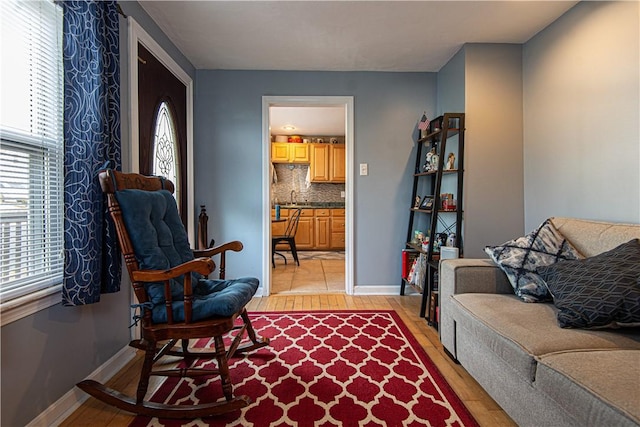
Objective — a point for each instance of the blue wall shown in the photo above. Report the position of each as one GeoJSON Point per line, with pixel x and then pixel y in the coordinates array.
{"type": "Point", "coordinates": [582, 115]}
{"type": "Point", "coordinates": [228, 157]}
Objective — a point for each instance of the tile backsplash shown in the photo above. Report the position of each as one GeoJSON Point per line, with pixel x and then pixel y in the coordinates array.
{"type": "Point", "coordinates": [292, 177]}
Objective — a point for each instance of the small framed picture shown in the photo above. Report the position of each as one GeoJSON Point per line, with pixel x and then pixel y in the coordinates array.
{"type": "Point", "coordinates": [416, 203]}
{"type": "Point", "coordinates": [427, 203]}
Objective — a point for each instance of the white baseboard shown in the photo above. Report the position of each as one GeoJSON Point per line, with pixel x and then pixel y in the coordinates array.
{"type": "Point", "coordinates": [369, 290]}
{"type": "Point", "coordinates": [70, 401]}
{"type": "Point", "coordinates": [377, 290]}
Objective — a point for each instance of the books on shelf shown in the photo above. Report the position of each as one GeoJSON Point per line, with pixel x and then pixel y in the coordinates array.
{"type": "Point", "coordinates": [417, 269]}
{"type": "Point", "coordinates": [408, 258]}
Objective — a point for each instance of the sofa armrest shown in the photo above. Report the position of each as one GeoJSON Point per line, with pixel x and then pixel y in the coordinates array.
{"type": "Point", "coordinates": [461, 276]}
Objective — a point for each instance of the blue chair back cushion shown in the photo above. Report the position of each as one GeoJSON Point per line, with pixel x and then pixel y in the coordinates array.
{"type": "Point", "coordinates": [160, 242]}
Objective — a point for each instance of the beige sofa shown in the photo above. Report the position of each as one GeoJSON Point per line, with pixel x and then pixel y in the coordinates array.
{"type": "Point", "coordinates": [539, 373]}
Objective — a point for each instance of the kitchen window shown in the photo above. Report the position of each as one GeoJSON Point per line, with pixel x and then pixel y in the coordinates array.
{"type": "Point", "coordinates": [31, 152]}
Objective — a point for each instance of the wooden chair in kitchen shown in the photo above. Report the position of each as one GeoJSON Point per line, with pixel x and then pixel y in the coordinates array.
{"type": "Point", "coordinates": [177, 300]}
{"type": "Point", "coordinates": [289, 238]}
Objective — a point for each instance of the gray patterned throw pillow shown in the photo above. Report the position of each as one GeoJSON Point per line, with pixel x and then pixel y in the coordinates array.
{"type": "Point", "coordinates": [521, 258]}
{"type": "Point", "coordinates": [601, 291]}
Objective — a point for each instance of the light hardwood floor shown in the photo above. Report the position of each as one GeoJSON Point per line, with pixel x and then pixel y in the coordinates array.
{"type": "Point", "coordinates": [481, 406]}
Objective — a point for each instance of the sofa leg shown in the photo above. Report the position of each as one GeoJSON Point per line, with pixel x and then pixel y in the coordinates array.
{"type": "Point", "coordinates": [450, 356]}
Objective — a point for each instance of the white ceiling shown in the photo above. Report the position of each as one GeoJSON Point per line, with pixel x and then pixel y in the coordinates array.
{"type": "Point", "coordinates": [312, 121]}
{"type": "Point", "coordinates": [341, 36]}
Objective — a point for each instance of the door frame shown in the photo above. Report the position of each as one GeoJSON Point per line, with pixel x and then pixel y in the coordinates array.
{"type": "Point", "coordinates": [137, 34]}
{"type": "Point", "coordinates": [306, 101]}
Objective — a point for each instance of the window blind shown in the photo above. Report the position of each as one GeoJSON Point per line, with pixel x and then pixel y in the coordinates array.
{"type": "Point", "coordinates": [31, 148]}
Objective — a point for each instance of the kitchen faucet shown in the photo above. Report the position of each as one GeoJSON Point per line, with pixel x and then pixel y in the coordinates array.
{"type": "Point", "coordinates": [293, 195]}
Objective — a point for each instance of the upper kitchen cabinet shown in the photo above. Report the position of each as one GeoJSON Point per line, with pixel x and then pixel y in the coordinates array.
{"type": "Point", "coordinates": [328, 163]}
{"type": "Point", "coordinates": [337, 164]}
{"type": "Point", "coordinates": [289, 152]}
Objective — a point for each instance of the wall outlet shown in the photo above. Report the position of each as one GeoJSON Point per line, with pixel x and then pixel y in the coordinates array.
{"type": "Point", "coordinates": [343, 194]}
{"type": "Point", "coordinates": [364, 169]}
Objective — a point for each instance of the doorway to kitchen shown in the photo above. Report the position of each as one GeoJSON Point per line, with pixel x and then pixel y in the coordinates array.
{"type": "Point", "coordinates": [307, 150]}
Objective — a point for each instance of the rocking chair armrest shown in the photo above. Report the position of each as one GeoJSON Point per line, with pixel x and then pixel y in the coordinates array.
{"type": "Point", "coordinates": [235, 246]}
{"type": "Point", "coordinates": [203, 266]}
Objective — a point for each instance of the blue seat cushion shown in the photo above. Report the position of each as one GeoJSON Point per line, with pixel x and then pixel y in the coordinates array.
{"type": "Point", "coordinates": [212, 298]}
{"type": "Point", "coordinates": [160, 242]}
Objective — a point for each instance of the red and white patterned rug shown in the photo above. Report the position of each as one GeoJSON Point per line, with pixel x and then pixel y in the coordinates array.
{"type": "Point", "coordinates": [326, 368]}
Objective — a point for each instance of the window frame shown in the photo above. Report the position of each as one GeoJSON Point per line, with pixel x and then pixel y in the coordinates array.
{"type": "Point", "coordinates": [165, 113]}
{"type": "Point", "coordinates": [39, 293]}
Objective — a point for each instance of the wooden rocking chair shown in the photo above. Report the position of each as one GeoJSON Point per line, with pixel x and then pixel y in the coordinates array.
{"type": "Point", "coordinates": [177, 301]}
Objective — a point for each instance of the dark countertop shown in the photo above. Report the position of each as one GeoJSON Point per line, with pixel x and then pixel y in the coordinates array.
{"type": "Point", "coordinates": [311, 205]}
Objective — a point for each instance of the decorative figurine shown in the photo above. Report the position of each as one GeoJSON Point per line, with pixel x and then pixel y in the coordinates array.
{"type": "Point", "coordinates": [440, 241]}
{"type": "Point", "coordinates": [451, 161]}
{"type": "Point", "coordinates": [427, 162]}
{"type": "Point", "coordinates": [431, 161]}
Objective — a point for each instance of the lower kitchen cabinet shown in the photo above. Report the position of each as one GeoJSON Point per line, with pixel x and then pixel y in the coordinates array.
{"type": "Point", "coordinates": [279, 228]}
{"type": "Point", "coordinates": [322, 229]}
{"type": "Point", "coordinates": [337, 226]}
{"type": "Point", "coordinates": [304, 236]}
{"type": "Point", "coordinates": [318, 229]}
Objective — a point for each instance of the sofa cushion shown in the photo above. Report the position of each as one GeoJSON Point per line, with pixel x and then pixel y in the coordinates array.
{"type": "Point", "coordinates": [600, 387]}
{"type": "Point", "coordinates": [519, 332]}
{"type": "Point", "coordinates": [521, 258]}
{"type": "Point", "coordinates": [603, 290]}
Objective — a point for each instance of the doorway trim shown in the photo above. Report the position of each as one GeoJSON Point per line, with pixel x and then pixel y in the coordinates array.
{"type": "Point", "coordinates": [306, 101]}
{"type": "Point", "coordinates": [137, 34]}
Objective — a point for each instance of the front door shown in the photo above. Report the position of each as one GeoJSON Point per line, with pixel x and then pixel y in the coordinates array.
{"type": "Point", "coordinates": [162, 109]}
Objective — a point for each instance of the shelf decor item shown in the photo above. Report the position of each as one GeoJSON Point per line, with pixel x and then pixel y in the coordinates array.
{"type": "Point", "coordinates": [427, 203]}
{"type": "Point", "coordinates": [424, 125]}
{"type": "Point", "coordinates": [451, 160]}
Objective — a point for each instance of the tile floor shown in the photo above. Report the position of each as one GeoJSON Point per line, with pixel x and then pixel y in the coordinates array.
{"type": "Point", "coordinates": [319, 272]}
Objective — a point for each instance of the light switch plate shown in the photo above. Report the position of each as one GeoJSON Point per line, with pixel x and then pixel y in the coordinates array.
{"type": "Point", "coordinates": [364, 169]}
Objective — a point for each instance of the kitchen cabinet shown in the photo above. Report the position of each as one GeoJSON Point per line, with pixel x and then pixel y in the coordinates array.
{"type": "Point", "coordinates": [337, 227]}
{"type": "Point", "coordinates": [279, 228]}
{"type": "Point", "coordinates": [318, 229]}
{"type": "Point", "coordinates": [337, 163]}
{"type": "Point", "coordinates": [304, 236]}
{"type": "Point", "coordinates": [319, 162]}
{"type": "Point", "coordinates": [289, 152]}
{"type": "Point", "coordinates": [322, 229]}
{"type": "Point", "coordinates": [327, 163]}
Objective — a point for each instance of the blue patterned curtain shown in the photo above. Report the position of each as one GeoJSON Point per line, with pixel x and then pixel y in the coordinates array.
{"type": "Point", "coordinates": [92, 137]}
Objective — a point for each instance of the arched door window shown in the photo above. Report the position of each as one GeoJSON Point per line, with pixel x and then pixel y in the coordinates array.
{"type": "Point", "coordinates": [165, 148]}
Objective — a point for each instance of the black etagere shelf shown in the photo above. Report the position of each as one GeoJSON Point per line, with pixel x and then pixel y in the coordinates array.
{"type": "Point", "coordinates": [440, 219]}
